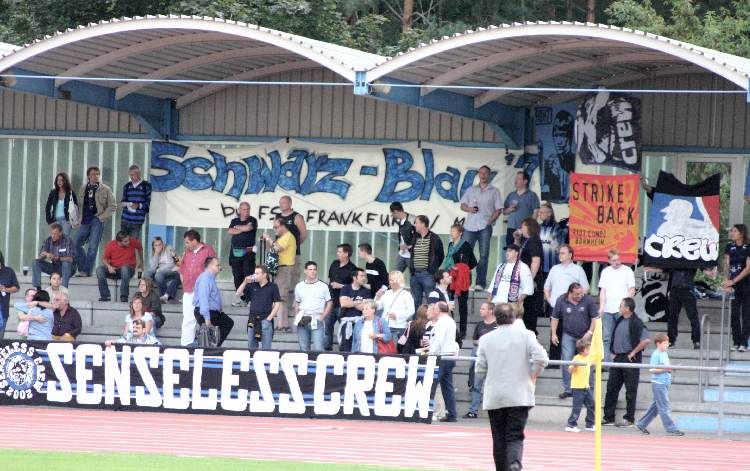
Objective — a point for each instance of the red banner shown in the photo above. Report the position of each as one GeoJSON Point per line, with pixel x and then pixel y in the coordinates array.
{"type": "Point", "coordinates": [604, 215]}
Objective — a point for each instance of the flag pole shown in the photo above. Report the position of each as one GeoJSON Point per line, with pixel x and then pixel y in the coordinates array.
{"type": "Point", "coordinates": [597, 349]}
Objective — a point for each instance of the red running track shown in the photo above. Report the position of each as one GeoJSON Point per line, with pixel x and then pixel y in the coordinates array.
{"type": "Point", "coordinates": [353, 442]}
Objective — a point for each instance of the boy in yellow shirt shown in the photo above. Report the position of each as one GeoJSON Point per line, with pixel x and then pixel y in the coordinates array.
{"type": "Point", "coordinates": [579, 384]}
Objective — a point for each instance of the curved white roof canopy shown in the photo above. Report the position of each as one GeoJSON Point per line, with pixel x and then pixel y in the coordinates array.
{"type": "Point", "coordinates": [560, 55]}
{"type": "Point", "coordinates": [554, 54]}
{"type": "Point", "coordinates": [174, 47]}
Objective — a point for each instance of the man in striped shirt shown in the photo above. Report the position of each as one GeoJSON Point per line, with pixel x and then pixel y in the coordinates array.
{"type": "Point", "coordinates": [136, 200]}
{"type": "Point", "coordinates": [426, 256]}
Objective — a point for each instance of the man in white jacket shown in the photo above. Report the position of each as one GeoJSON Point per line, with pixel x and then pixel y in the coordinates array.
{"type": "Point", "coordinates": [443, 343]}
{"type": "Point", "coordinates": [503, 361]}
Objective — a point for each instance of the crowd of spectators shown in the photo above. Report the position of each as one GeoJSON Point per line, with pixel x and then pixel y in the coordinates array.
{"type": "Point", "coordinates": [373, 308]}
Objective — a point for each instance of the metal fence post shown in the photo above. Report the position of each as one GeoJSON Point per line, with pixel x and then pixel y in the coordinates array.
{"type": "Point", "coordinates": [721, 400]}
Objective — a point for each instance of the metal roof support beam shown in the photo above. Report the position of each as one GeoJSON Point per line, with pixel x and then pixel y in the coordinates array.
{"type": "Point", "coordinates": [361, 87]}
{"type": "Point", "coordinates": [158, 116]}
{"type": "Point", "coordinates": [494, 60]}
{"type": "Point", "coordinates": [200, 61]}
{"type": "Point", "coordinates": [537, 76]}
{"type": "Point", "coordinates": [140, 48]}
{"type": "Point", "coordinates": [248, 75]}
{"type": "Point", "coordinates": [507, 121]}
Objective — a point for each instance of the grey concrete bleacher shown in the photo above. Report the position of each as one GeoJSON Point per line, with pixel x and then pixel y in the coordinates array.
{"type": "Point", "coordinates": [103, 321]}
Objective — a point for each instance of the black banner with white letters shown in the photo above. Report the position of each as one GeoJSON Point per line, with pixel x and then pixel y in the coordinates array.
{"type": "Point", "coordinates": [608, 130]}
{"type": "Point", "coordinates": [239, 382]}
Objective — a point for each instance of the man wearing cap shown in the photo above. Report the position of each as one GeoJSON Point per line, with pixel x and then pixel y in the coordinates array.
{"type": "Point", "coordinates": [512, 280]}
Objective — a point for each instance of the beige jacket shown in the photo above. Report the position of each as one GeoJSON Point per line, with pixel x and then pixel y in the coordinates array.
{"type": "Point", "coordinates": [506, 358]}
{"type": "Point", "coordinates": [106, 204]}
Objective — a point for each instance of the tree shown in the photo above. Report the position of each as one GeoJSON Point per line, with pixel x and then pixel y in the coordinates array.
{"type": "Point", "coordinates": [726, 28]}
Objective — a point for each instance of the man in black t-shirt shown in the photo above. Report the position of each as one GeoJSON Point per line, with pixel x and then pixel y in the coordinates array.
{"type": "Point", "coordinates": [486, 325]}
{"type": "Point", "coordinates": [242, 249]}
{"type": "Point", "coordinates": [377, 273]}
{"type": "Point", "coordinates": [8, 285]}
{"type": "Point", "coordinates": [352, 296]}
{"type": "Point", "coordinates": [265, 304]}
{"type": "Point", "coordinates": [339, 274]}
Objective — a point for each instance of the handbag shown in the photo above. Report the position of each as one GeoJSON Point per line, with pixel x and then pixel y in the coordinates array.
{"type": "Point", "coordinates": [272, 262]}
{"type": "Point", "coordinates": [385, 348]}
{"type": "Point", "coordinates": [207, 337]}
{"type": "Point", "coordinates": [72, 210]}
{"type": "Point", "coordinates": [23, 328]}
{"type": "Point", "coordinates": [405, 336]}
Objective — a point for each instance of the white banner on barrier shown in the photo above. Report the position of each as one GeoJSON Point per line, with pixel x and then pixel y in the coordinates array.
{"type": "Point", "coordinates": [334, 186]}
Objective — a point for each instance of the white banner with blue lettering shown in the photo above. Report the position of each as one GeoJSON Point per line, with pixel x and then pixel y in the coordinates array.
{"type": "Point", "coordinates": [333, 186]}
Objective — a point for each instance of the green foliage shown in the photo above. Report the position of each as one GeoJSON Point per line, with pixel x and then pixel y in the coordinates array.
{"type": "Point", "coordinates": [725, 28]}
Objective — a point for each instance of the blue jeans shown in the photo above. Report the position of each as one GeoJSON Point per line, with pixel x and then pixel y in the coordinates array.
{"type": "Point", "coordinates": [330, 324]}
{"type": "Point", "coordinates": [422, 282]}
{"type": "Point", "coordinates": [91, 233]}
{"type": "Point", "coordinates": [306, 335]}
{"type": "Point", "coordinates": [582, 397]}
{"type": "Point", "coordinates": [608, 326]}
{"type": "Point", "coordinates": [266, 336]}
{"type": "Point", "coordinates": [125, 273]}
{"type": "Point", "coordinates": [133, 230]}
{"type": "Point", "coordinates": [167, 281]}
{"type": "Point", "coordinates": [659, 406]}
{"type": "Point", "coordinates": [477, 385]}
{"type": "Point", "coordinates": [445, 378]}
{"type": "Point", "coordinates": [568, 346]}
{"type": "Point", "coordinates": [402, 264]}
{"type": "Point", "coordinates": [65, 225]}
{"type": "Point", "coordinates": [40, 266]}
{"type": "Point", "coordinates": [484, 237]}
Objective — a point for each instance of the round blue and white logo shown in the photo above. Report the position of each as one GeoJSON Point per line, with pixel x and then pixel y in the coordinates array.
{"type": "Point", "coordinates": [21, 371]}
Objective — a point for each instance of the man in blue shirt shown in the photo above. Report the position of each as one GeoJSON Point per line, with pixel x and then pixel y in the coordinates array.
{"type": "Point", "coordinates": [207, 300]}
{"type": "Point", "coordinates": [519, 205]}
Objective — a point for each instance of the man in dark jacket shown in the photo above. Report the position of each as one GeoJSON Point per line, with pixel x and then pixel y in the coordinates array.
{"type": "Point", "coordinates": [405, 235]}
{"type": "Point", "coordinates": [426, 257]}
{"type": "Point", "coordinates": [629, 338]}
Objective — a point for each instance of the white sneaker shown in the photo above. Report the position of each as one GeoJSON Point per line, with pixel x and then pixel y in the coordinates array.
{"type": "Point", "coordinates": [742, 348]}
{"type": "Point", "coordinates": [734, 348]}
{"type": "Point", "coordinates": [572, 429]}
{"type": "Point", "coordinates": [479, 288]}
{"type": "Point", "coordinates": [591, 429]}
{"type": "Point", "coordinates": [164, 298]}
{"type": "Point", "coordinates": [239, 303]}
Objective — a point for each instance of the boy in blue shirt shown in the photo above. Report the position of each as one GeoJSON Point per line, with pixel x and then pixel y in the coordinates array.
{"type": "Point", "coordinates": [661, 378]}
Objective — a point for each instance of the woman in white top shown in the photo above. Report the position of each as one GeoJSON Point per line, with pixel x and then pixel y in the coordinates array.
{"type": "Point", "coordinates": [55, 285]}
{"type": "Point", "coordinates": [163, 269]}
{"type": "Point", "coordinates": [368, 329]}
{"type": "Point", "coordinates": [137, 312]}
{"type": "Point", "coordinates": [396, 304]}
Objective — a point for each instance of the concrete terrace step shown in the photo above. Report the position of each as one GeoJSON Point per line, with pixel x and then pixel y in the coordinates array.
{"type": "Point", "coordinates": [734, 395]}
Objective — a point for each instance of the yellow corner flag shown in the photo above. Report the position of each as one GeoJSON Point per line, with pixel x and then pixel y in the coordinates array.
{"type": "Point", "coordinates": [597, 355]}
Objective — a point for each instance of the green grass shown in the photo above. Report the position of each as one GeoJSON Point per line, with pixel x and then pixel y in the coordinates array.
{"type": "Point", "coordinates": [21, 460]}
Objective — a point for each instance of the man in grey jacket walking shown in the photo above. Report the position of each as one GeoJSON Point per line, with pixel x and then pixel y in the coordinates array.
{"type": "Point", "coordinates": [503, 360]}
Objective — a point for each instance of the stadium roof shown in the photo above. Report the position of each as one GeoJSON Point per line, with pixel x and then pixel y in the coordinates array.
{"type": "Point", "coordinates": [546, 55]}
{"type": "Point", "coordinates": [553, 55]}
